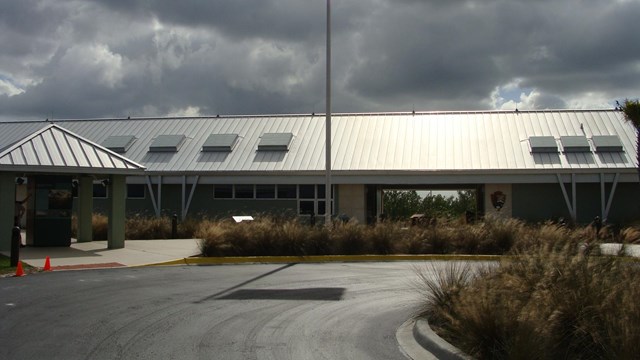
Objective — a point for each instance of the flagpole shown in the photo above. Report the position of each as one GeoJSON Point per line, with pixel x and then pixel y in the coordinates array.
{"type": "Point", "coordinates": [328, 205]}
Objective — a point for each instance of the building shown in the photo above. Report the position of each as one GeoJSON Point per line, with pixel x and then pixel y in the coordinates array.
{"type": "Point", "coordinates": [533, 165]}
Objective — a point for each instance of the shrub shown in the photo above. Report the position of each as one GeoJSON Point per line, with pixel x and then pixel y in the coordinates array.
{"type": "Point", "coordinates": [383, 238]}
{"type": "Point", "coordinates": [143, 228]}
{"type": "Point", "coordinates": [100, 224]}
{"type": "Point", "coordinates": [264, 236]}
{"type": "Point", "coordinates": [349, 239]}
{"type": "Point", "coordinates": [551, 302]}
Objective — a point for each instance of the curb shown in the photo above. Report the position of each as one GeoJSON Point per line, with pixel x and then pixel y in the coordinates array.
{"type": "Point", "coordinates": [418, 342]}
{"type": "Point", "coordinates": [320, 259]}
{"type": "Point", "coordinates": [434, 344]}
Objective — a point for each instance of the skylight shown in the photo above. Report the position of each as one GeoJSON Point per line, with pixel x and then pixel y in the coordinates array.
{"type": "Point", "coordinates": [573, 144]}
{"type": "Point", "coordinates": [119, 143]}
{"type": "Point", "coordinates": [275, 142]}
{"type": "Point", "coordinates": [607, 143]}
{"type": "Point", "coordinates": [220, 143]}
{"type": "Point", "coordinates": [167, 143]}
{"type": "Point", "coordinates": [543, 144]}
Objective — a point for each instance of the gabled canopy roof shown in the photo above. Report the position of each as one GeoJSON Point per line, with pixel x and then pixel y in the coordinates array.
{"type": "Point", "coordinates": [54, 149]}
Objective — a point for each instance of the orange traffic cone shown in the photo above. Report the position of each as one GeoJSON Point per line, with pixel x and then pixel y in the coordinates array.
{"type": "Point", "coordinates": [19, 271]}
{"type": "Point", "coordinates": [47, 264]}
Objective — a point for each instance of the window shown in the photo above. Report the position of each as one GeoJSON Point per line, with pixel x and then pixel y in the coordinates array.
{"type": "Point", "coordinates": [312, 199]}
{"type": "Point", "coordinates": [321, 207]}
{"type": "Point", "coordinates": [607, 143]}
{"type": "Point", "coordinates": [135, 191]}
{"type": "Point", "coordinates": [543, 144]}
{"type": "Point", "coordinates": [220, 143]}
{"type": "Point", "coordinates": [120, 143]}
{"type": "Point", "coordinates": [99, 191]}
{"type": "Point", "coordinates": [287, 192]}
{"type": "Point", "coordinates": [244, 191]}
{"type": "Point", "coordinates": [321, 192]}
{"type": "Point", "coordinates": [307, 207]}
{"type": "Point", "coordinates": [265, 191]}
{"type": "Point", "coordinates": [275, 142]}
{"type": "Point", "coordinates": [167, 143]}
{"type": "Point", "coordinates": [573, 144]}
{"type": "Point", "coordinates": [223, 191]}
{"type": "Point", "coordinates": [307, 191]}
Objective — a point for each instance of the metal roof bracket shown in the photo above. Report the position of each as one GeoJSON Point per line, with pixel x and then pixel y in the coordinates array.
{"type": "Point", "coordinates": [571, 204]}
{"type": "Point", "coordinates": [607, 208]}
{"type": "Point", "coordinates": [156, 205]}
{"type": "Point", "coordinates": [185, 207]}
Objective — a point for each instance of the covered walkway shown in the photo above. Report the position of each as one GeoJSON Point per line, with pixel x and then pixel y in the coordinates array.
{"type": "Point", "coordinates": [51, 156]}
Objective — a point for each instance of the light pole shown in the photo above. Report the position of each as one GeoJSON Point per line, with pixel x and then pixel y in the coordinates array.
{"type": "Point", "coordinates": [327, 188]}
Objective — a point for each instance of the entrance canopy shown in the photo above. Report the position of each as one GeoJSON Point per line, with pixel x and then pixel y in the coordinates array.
{"type": "Point", "coordinates": [53, 149]}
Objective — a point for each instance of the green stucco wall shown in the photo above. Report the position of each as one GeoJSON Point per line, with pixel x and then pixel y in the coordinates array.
{"type": "Point", "coordinates": [540, 202]}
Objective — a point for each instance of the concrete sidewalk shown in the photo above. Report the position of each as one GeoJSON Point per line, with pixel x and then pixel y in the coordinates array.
{"type": "Point", "coordinates": [95, 254]}
{"type": "Point", "coordinates": [142, 252]}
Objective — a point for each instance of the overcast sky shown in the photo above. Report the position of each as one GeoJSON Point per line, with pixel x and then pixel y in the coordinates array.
{"type": "Point", "coordinates": [104, 58]}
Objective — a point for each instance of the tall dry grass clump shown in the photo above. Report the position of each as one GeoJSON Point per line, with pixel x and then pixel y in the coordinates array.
{"type": "Point", "coordinates": [262, 237]}
{"type": "Point", "coordinates": [552, 302]}
{"type": "Point", "coordinates": [139, 227]}
{"type": "Point", "coordinates": [99, 224]}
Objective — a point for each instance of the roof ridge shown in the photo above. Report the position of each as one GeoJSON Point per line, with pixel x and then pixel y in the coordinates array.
{"type": "Point", "coordinates": [313, 114]}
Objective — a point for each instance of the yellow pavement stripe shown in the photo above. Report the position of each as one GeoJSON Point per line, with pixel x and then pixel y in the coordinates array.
{"type": "Point", "coordinates": [323, 258]}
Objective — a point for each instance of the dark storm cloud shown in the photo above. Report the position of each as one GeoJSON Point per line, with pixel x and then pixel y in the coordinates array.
{"type": "Point", "coordinates": [464, 51]}
{"type": "Point", "coordinates": [289, 20]}
{"type": "Point", "coordinates": [100, 58]}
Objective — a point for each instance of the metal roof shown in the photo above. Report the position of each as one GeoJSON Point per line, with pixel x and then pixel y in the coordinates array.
{"type": "Point", "coordinates": [419, 143]}
{"type": "Point", "coordinates": [55, 149]}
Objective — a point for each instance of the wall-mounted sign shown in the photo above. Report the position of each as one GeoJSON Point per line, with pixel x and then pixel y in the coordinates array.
{"type": "Point", "coordinates": [498, 199]}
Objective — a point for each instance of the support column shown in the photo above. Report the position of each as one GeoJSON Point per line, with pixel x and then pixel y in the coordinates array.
{"type": "Point", "coordinates": [85, 209]}
{"type": "Point", "coordinates": [7, 202]}
{"type": "Point", "coordinates": [117, 196]}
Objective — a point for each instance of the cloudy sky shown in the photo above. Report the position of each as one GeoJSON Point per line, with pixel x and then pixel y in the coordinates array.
{"type": "Point", "coordinates": [104, 58]}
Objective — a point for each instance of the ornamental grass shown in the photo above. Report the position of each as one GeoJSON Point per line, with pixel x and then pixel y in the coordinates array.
{"type": "Point", "coordinates": [552, 301]}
